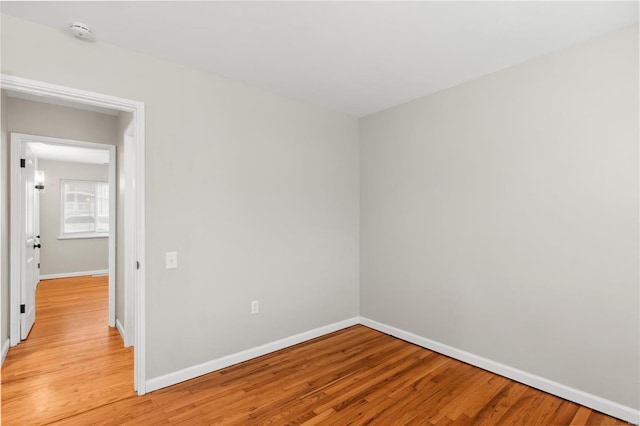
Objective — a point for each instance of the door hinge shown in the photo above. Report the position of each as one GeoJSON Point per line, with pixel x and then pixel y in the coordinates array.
{"type": "Point", "coordinates": [22, 308]}
{"type": "Point", "coordinates": [23, 163]}
{"type": "Point", "coordinates": [137, 264]}
{"type": "Point", "coordinates": [38, 265]}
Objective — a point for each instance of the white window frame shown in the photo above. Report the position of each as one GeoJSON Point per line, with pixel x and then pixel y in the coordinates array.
{"type": "Point", "coordinates": [77, 235]}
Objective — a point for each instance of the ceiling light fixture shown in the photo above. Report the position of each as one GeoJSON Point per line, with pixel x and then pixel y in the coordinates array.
{"type": "Point", "coordinates": [81, 31]}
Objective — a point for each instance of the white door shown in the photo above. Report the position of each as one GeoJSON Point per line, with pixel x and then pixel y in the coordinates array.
{"type": "Point", "coordinates": [30, 243]}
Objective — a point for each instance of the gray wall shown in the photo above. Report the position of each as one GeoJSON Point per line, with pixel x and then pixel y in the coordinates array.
{"type": "Point", "coordinates": [68, 255]}
{"type": "Point", "coordinates": [500, 217]}
{"type": "Point", "coordinates": [257, 193]}
{"type": "Point", "coordinates": [4, 222]}
{"type": "Point", "coordinates": [56, 121]}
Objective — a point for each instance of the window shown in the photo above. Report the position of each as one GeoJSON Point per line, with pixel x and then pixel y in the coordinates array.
{"type": "Point", "coordinates": [85, 208]}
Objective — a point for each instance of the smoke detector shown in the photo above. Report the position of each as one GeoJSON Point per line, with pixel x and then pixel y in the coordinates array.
{"type": "Point", "coordinates": [81, 31]}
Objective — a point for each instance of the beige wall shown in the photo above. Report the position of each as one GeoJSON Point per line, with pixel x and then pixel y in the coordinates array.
{"type": "Point", "coordinates": [500, 217]}
{"type": "Point", "coordinates": [4, 222]}
{"type": "Point", "coordinates": [68, 255]}
{"type": "Point", "coordinates": [257, 193]}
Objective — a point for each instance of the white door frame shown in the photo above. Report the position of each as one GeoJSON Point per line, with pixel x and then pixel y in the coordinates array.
{"type": "Point", "coordinates": [134, 243]}
{"type": "Point", "coordinates": [17, 139]}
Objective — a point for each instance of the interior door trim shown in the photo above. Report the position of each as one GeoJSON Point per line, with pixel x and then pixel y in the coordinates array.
{"type": "Point", "coordinates": [134, 213]}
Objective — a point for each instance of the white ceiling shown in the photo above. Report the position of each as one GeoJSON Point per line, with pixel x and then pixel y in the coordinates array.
{"type": "Point", "coordinates": [353, 57]}
{"type": "Point", "coordinates": [44, 151]}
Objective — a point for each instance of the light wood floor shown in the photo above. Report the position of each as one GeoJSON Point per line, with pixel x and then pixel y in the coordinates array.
{"type": "Point", "coordinates": [72, 361]}
{"type": "Point", "coordinates": [74, 370]}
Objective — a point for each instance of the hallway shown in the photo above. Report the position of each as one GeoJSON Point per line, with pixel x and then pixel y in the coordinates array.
{"type": "Point", "coordinates": [72, 361]}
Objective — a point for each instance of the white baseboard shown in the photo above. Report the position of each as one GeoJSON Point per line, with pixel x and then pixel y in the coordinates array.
{"type": "Point", "coordinates": [583, 398]}
{"type": "Point", "coordinates": [5, 350]}
{"type": "Point", "coordinates": [120, 328]}
{"type": "Point", "coordinates": [580, 397]}
{"type": "Point", "coordinates": [99, 272]}
{"type": "Point", "coordinates": [226, 361]}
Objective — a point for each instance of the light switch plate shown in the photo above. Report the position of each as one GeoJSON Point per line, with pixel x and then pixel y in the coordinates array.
{"type": "Point", "coordinates": [172, 260]}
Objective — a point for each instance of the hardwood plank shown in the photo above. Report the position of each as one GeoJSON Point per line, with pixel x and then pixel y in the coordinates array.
{"type": "Point", "coordinates": [72, 361]}
{"type": "Point", "coordinates": [565, 413]}
{"type": "Point", "coordinates": [498, 406]}
{"type": "Point", "coordinates": [581, 417]}
{"type": "Point", "coordinates": [74, 370]}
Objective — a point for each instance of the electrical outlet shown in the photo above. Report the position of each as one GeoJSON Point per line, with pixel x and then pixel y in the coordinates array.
{"type": "Point", "coordinates": [171, 260]}
{"type": "Point", "coordinates": [255, 307]}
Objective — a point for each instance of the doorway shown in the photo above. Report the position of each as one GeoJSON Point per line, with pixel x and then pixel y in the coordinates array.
{"type": "Point", "coordinates": [134, 211]}
{"type": "Point", "coordinates": [84, 206]}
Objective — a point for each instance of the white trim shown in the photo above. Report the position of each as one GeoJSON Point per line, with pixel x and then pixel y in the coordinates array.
{"type": "Point", "coordinates": [226, 361]}
{"type": "Point", "coordinates": [120, 328]}
{"type": "Point", "coordinates": [97, 272]}
{"type": "Point", "coordinates": [129, 262]}
{"type": "Point", "coordinates": [580, 397]}
{"type": "Point", "coordinates": [113, 225]}
{"type": "Point", "coordinates": [136, 213]}
{"type": "Point", "coordinates": [5, 350]}
{"type": "Point", "coordinates": [81, 236]}
{"type": "Point", "coordinates": [14, 244]}
{"type": "Point", "coordinates": [41, 88]}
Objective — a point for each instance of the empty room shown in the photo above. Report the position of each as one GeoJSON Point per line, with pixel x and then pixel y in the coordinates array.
{"type": "Point", "coordinates": [321, 213]}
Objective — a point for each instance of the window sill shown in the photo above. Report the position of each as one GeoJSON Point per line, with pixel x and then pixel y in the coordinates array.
{"type": "Point", "coordinates": [82, 236]}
